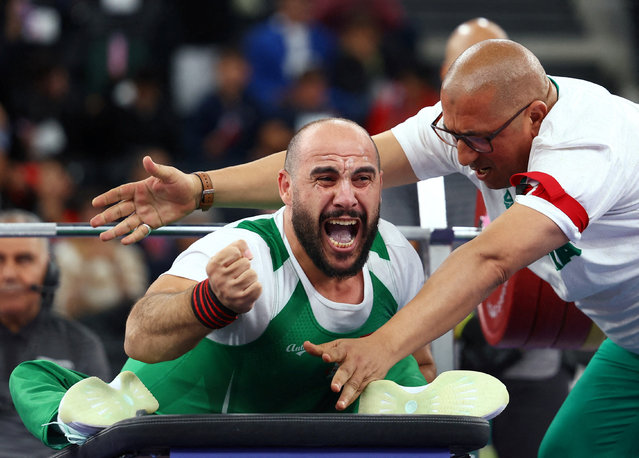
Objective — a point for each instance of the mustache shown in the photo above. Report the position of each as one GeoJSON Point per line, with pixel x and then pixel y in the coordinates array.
{"type": "Point", "coordinates": [340, 213]}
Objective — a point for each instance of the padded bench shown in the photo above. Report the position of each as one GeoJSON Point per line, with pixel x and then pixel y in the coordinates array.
{"type": "Point", "coordinates": [198, 436]}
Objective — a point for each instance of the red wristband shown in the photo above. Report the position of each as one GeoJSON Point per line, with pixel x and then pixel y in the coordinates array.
{"type": "Point", "coordinates": [208, 309]}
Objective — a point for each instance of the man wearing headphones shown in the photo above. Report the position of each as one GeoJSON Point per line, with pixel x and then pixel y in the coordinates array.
{"type": "Point", "coordinates": [29, 329]}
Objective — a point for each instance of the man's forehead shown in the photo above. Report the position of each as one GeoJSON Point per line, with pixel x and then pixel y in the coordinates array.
{"type": "Point", "coordinates": [346, 160]}
{"type": "Point", "coordinates": [21, 245]}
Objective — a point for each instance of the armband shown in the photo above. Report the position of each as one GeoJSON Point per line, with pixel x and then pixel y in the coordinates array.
{"type": "Point", "coordinates": [208, 192]}
{"type": "Point", "coordinates": [208, 309]}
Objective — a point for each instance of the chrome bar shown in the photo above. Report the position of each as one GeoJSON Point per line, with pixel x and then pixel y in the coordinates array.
{"type": "Point", "coordinates": [50, 230]}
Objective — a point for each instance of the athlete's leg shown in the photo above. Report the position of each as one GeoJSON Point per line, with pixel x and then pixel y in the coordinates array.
{"type": "Point", "coordinates": [600, 416]}
{"type": "Point", "coordinates": [37, 388]}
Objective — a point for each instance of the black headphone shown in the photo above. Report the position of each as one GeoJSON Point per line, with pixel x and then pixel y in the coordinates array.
{"type": "Point", "coordinates": [50, 282]}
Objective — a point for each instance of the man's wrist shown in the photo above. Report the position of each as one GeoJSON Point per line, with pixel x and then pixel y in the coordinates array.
{"type": "Point", "coordinates": [208, 309]}
{"type": "Point", "coordinates": [207, 196]}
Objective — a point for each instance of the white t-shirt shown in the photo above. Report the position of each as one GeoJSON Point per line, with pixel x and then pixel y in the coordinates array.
{"type": "Point", "coordinates": [402, 275]}
{"type": "Point", "coordinates": [583, 173]}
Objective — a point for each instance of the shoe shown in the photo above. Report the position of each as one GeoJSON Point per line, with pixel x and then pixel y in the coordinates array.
{"type": "Point", "coordinates": [451, 393]}
{"type": "Point", "coordinates": [91, 405]}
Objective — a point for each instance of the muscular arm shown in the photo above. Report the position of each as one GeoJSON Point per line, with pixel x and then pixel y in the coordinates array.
{"type": "Point", "coordinates": [514, 240]}
{"type": "Point", "coordinates": [169, 194]}
{"type": "Point", "coordinates": [161, 325]}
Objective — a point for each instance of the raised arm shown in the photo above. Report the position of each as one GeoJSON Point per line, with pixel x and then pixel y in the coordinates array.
{"type": "Point", "coordinates": [168, 194]}
{"type": "Point", "coordinates": [163, 324]}
{"type": "Point", "coordinates": [514, 240]}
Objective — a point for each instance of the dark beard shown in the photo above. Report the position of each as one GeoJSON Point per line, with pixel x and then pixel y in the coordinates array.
{"type": "Point", "coordinates": [309, 234]}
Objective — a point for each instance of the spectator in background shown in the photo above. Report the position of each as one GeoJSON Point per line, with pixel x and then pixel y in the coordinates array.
{"type": "Point", "coordinates": [309, 99]}
{"type": "Point", "coordinates": [359, 65]}
{"type": "Point", "coordinates": [273, 134]}
{"type": "Point", "coordinates": [283, 47]}
{"type": "Point", "coordinates": [396, 35]}
{"type": "Point", "coordinates": [402, 97]}
{"type": "Point", "coordinates": [54, 188]}
{"type": "Point", "coordinates": [142, 116]}
{"type": "Point", "coordinates": [5, 145]}
{"type": "Point", "coordinates": [221, 130]}
{"type": "Point", "coordinates": [29, 329]}
{"type": "Point", "coordinates": [43, 187]}
{"type": "Point", "coordinates": [48, 119]}
{"type": "Point", "coordinates": [467, 34]}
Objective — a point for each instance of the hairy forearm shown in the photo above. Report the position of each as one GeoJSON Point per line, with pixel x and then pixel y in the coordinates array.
{"type": "Point", "coordinates": [162, 327]}
{"type": "Point", "coordinates": [250, 185]}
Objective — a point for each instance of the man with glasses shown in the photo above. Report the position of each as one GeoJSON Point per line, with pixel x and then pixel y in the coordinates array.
{"type": "Point", "coordinates": [557, 164]}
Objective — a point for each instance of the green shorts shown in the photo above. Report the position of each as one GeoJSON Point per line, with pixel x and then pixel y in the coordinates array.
{"type": "Point", "coordinates": [600, 417]}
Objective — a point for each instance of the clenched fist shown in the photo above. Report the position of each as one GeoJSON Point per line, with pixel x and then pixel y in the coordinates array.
{"type": "Point", "coordinates": [232, 279]}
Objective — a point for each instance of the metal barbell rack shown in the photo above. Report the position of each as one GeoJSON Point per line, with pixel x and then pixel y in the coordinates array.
{"type": "Point", "coordinates": [435, 236]}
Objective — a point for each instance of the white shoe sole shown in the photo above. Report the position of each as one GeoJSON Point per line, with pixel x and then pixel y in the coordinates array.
{"type": "Point", "coordinates": [92, 403]}
{"type": "Point", "coordinates": [451, 393]}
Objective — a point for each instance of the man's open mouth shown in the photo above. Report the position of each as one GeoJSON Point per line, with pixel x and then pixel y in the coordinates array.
{"type": "Point", "coordinates": [342, 232]}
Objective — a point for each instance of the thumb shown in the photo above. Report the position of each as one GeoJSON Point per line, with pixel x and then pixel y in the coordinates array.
{"type": "Point", "coordinates": [244, 248]}
{"type": "Point", "coordinates": [160, 171]}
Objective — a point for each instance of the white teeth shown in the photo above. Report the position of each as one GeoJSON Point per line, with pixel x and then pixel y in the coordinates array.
{"type": "Point", "coordinates": [343, 222]}
{"type": "Point", "coordinates": [341, 244]}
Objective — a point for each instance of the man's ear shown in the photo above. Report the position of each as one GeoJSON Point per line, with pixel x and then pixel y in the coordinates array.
{"type": "Point", "coordinates": [537, 115]}
{"type": "Point", "coordinates": [284, 184]}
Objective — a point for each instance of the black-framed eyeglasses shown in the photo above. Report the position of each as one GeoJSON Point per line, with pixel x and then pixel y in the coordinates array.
{"type": "Point", "coordinates": [478, 143]}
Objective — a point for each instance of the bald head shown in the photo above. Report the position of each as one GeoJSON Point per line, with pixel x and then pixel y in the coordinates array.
{"type": "Point", "coordinates": [468, 34]}
{"type": "Point", "coordinates": [332, 127]}
{"type": "Point", "coordinates": [505, 71]}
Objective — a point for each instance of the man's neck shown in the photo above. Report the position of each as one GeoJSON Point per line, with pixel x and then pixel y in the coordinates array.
{"type": "Point", "coordinates": [347, 291]}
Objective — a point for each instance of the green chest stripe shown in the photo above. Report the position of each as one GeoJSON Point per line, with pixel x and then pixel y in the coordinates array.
{"type": "Point", "coordinates": [267, 229]}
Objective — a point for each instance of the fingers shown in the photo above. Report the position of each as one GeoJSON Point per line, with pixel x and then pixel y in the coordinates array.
{"type": "Point", "coordinates": [330, 352]}
{"type": "Point", "coordinates": [234, 257]}
{"type": "Point", "coordinates": [243, 251]}
{"type": "Point", "coordinates": [356, 369]}
{"type": "Point", "coordinates": [232, 279]}
{"type": "Point", "coordinates": [122, 192]}
{"type": "Point", "coordinates": [113, 213]}
{"type": "Point", "coordinates": [132, 227]}
{"type": "Point", "coordinates": [350, 392]}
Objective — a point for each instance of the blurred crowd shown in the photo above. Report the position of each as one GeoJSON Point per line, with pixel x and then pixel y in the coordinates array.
{"type": "Point", "coordinates": [88, 87]}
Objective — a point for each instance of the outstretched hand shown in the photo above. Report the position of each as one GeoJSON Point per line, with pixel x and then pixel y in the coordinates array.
{"type": "Point", "coordinates": [164, 197]}
{"type": "Point", "coordinates": [360, 361]}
